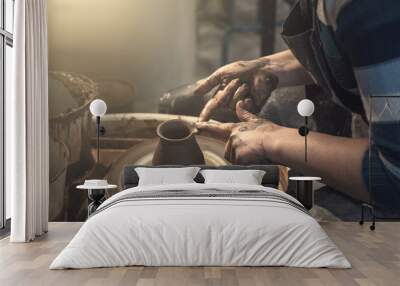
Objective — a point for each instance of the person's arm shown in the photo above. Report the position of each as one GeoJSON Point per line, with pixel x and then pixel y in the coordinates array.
{"type": "Point", "coordinates": [337, 160]}
{"type": "Point", "coordinates": [287, 68]}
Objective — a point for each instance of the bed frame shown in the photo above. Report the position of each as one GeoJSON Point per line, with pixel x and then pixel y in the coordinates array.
{"type": "Point", "coordinates": [270, 179]}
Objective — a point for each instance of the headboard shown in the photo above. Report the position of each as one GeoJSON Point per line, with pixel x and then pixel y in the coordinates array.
{"type": "Point", "coordinates": [271, 178]}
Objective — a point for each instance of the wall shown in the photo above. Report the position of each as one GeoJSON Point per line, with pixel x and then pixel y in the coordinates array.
{"type": "Point", "coordinates": [150, 44]}
{"type": "Point", "coordinates": [130, 52]}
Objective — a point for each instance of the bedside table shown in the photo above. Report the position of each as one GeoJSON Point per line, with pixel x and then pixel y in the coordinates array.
{"type": "Point", "coordinates": [304, 190]}
{"type": "Point", "coordinates": [96, 195]}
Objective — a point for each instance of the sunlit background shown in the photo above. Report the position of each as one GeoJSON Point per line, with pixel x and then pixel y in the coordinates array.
{"type": "Point", "coordinates": [131, 53]}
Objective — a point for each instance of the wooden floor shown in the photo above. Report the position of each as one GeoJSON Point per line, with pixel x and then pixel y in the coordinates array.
{"type": "Point", "coordinates": [375, 257]}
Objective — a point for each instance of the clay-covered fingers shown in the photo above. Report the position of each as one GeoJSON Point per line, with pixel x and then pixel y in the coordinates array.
{"type": "Point", "coordinates": [207, 84]}
{"type": "Point", "coordinates": [259, 88]}
{"type": "Point", "coordinates": [249, 105]}
{"type": "Point", "coordinates": [229, 151]}
{"type": "Point", "coordinates": [245, 115]}
{"type": "Point", "coordinates": [235, 151]}
{"type": "Point", "coordinates": [221, 99]}
{"type": "Point", "coordinates": [224, 96]}
{"type": "Point", "coordinates": [239, 95]}
{"type": "Point", "coordinates": [220, 131]}
{"type": "Point", "coordinates": [242, 148]}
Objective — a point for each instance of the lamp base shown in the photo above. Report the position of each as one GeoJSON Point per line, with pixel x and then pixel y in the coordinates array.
{"type": "Point", "coordinates": [96, 197]}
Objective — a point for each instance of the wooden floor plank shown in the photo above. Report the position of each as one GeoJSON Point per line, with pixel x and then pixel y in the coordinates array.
{"type": "Point", "coordinates": [375, 257]}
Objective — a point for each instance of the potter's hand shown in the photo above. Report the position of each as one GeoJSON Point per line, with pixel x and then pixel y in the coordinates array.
{"type": "Point", "coordinates": [246, 141]}
{"type": "Point", "coordinates": [236, 81]}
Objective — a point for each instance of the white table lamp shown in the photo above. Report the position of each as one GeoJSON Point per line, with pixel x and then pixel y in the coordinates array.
{"type": "Point", "coordinates": [98, 108]}
{"type": "Point", "coordinates": [305, 108]}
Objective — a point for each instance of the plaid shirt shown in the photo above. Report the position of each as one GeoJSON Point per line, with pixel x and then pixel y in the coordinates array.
{"type": "Point", "coordinates": [361, 44]}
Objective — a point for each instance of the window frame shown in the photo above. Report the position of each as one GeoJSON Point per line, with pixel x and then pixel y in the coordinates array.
{"type": "Point", "coordinates": [6, 39]}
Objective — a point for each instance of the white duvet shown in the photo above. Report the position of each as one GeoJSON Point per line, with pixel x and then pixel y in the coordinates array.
{"type": "Point", "coordinates": [200, 231]}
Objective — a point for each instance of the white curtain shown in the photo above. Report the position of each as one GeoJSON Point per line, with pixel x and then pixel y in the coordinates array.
{"type": "Point", "coordinates": [27, 142]}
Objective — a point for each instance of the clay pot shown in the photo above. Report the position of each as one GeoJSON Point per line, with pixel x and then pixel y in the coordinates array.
{"type": "Point", "coordinates": [177, 144]}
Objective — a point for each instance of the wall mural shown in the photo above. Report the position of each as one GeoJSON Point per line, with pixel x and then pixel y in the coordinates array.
{"type": "Point", "coordinates": [143, 59]}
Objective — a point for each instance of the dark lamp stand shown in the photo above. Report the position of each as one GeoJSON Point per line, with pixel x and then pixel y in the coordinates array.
{"type": "Point", "coordinates": [303, 131]}
{"type": "Point", "coordinates": [100, 130]}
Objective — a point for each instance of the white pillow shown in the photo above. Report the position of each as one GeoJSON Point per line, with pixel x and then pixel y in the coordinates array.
{"type": "Point", "coordinates": [163, 176]}
{"type": "Point", "coordinates": [247, 177]}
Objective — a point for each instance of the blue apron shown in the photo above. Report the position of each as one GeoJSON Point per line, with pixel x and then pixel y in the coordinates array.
{"type": "Point", "coordinates": [308, 39]}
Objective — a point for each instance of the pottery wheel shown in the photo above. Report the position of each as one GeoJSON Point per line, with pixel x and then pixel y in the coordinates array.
{"type": "Point", "coordinates": [142, 154]}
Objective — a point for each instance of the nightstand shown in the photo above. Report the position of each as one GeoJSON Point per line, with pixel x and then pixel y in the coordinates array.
{"type": "Point", "coordinates": [304, 190]}
{"type": "Point", "coordinates": [96, 195]}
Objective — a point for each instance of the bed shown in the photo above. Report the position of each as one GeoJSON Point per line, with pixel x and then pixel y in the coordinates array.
{"type": "Point", "coordinates": [201, 224]}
